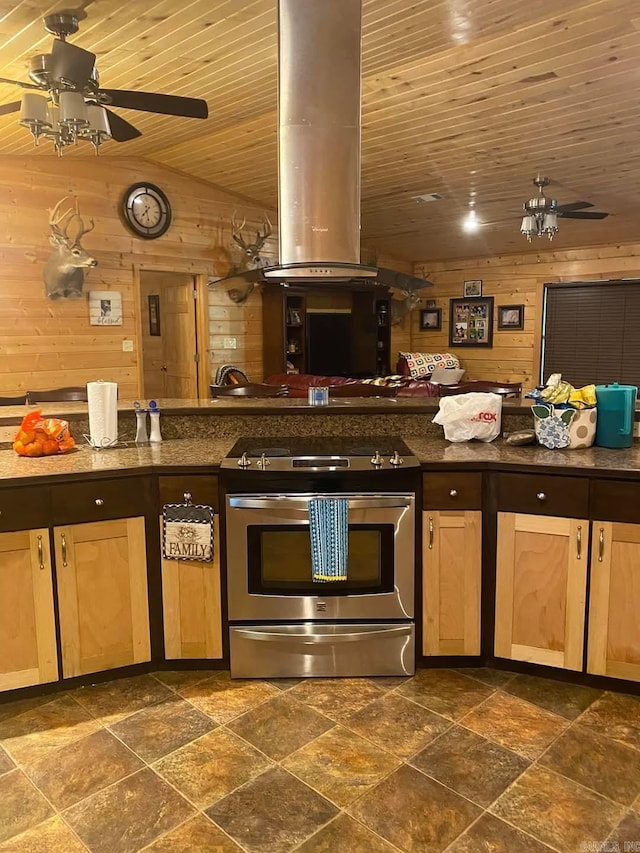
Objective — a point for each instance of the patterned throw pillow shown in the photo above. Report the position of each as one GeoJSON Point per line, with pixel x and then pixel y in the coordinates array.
{"type": "Point", "coordinates": [422, 364]}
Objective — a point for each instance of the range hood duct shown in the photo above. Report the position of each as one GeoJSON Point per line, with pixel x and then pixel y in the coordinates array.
{"type": "Point", "coordinates": [319, 88]}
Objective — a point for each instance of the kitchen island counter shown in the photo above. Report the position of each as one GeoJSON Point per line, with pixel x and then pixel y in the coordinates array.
{"type": "Point", "coordinates": [205, 454]}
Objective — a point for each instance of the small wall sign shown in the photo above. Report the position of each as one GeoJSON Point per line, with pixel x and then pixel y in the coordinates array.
{"type": "Point", "coordinates": [187, 532]}
{"type": "Point", "coordinates": [105, 308]}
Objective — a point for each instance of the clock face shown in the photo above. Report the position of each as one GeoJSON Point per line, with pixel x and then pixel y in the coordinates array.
{"type": "Point", "coordinates": [146, 210]}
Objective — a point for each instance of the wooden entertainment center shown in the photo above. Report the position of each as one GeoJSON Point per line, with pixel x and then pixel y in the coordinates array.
{"type": "Point", "coordinates": [336, 330]}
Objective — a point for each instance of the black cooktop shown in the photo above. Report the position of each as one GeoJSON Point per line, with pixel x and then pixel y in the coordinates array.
{"type": "Point", "coordinates": [318, 446]}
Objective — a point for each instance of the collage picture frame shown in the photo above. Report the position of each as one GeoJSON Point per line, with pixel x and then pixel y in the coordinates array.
{"type": "Point", "coordinates": [471, 322]}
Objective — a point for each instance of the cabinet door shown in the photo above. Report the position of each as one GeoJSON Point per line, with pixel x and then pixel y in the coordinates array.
{"type": "Point", "coordinates": [27, 628]}
{"type": "Point", "coordinates": [451, 569]}
{"type": "Point", "coordinates": [102, 593]}
{"type": "Point", "coordinates": [364, 334]}
{"type": "Point", "coordinates": [614, 626]}
{"type": "Point", "coordinates": [192, 607]}
{"type": "Point", "coordinates": [540, 589]}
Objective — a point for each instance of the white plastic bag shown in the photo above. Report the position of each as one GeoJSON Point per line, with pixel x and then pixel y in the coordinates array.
{"type": "Point", "coordinates": [467, 416]}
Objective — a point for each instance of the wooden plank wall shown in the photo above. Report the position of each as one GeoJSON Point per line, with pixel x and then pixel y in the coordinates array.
{"type": "Point", "coordinates": [49, 344]}
{"type": "Point", "coordinates": [514, 280]}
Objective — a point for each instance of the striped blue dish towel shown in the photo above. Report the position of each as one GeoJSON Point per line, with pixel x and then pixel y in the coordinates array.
{"type": "Point", "coordinates": [329, 531]}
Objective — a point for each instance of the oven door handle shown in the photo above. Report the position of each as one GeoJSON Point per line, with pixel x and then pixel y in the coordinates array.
{"type": "Point", "coordinates": [302, 504]}
{"type": "Point", "coordinates": [313, 639]}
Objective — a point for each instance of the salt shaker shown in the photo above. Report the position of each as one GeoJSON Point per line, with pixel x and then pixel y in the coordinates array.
{"type": "Point", "coordinates": [154, 415]}
{"type": "Point", "coordinates": [141, 424]}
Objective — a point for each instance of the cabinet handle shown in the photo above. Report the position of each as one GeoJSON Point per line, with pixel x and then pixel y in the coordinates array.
{"type": "Point", "coordinates": [63, 543]}
{"type": "Point", "coordinates": [541, 496]}
{"type": "Point", "coordinates": [430, 532]}
{"type": "Point", "coordinates": [453, 493]}
{"type": "Point", "coordinates": [40, 554]}
{"type": "Point", "coordinates": [579, 543]}
{"type": "Point", "coordinates": [601, 545]}
{"type": "Point", "coordinates": [99, 502]}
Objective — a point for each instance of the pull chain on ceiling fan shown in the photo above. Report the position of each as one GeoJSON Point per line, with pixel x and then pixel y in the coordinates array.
{"type": "Point", "coordinates": [541, 214]}
{"type": "Point", "coordinates": [75, 106]}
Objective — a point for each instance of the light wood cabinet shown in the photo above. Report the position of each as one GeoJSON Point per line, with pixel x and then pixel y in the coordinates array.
{"type": "Point", "coordinates": [614, 627]}
{"type": "Point", "coordinates": [27, 626]}
{"type": "Point", "coordinates": [102, 594]}
{"type": "Point", "coordinates": [541, 577]}
{"type": "Point", "coordinates": [451, 572]}
{"type": "Point", "coordinates": [192, 605]}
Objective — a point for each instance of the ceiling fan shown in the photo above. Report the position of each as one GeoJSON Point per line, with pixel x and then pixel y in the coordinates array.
{"type": "Point", "coordinates": [541, 213]}
{"type": "Point", "coordinates": [75, 106]}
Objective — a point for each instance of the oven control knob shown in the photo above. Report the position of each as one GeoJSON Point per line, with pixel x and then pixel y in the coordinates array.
{"type": "Point", "coordinates": [263, 462]}
{"type": "Point", "coordinates": [396, 459]}
{"type": "Point", "coordinates": [377, 460]}
{"type": "Point", "coordinates": [244, 462]}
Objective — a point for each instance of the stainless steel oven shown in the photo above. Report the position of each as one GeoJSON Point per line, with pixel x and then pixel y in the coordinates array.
{"type": "Point", "coordinates": [282, 622]}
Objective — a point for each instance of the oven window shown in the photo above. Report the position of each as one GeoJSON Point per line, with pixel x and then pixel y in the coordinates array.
{"type": "Point", "coordinates": [280, 561]}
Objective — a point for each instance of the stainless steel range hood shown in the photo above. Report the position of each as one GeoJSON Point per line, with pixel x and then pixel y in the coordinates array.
{"type": "Point", "coordinates": [319, 83]}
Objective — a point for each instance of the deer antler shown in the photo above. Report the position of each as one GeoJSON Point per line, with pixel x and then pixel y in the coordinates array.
{"type": "Point", "coordinates": [236, 231]}
{"type": "Point", "coordinates": [268, 228]}
{"type": "Point", "coordinates": [57, 222]}
{"type": "Point", "coordinates": [81, 229]}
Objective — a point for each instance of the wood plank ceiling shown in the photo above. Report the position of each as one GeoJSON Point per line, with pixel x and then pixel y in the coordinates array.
{"type": "Point", "coordinates": [466, 99]}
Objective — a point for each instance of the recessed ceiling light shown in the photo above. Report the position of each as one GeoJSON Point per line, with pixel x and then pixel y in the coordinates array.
{"type": "Point", "coordinates": [423, 199]}
{"type": "Point", "coordinates": [470, 222]}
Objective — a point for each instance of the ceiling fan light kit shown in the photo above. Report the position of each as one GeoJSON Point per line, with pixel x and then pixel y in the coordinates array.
{"type": "Point", "coordinates": [74, 107]}
{"type": "Point", "coordinates": [541, 214]}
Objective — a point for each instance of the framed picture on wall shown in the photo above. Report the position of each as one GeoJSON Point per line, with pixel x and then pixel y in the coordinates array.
{"type": "Point", "coordinates": [154, 314]}
{"type": "Point", "coordinates": [510, 316]}
{"type": "Point", "coordinates": [472, 287]}
{"type": "Point", "coordinates": [431, 319]}
{"type": "Point", "coordinates": [471, 322]}
{"type": "Point", "coordinates": [105, 308]}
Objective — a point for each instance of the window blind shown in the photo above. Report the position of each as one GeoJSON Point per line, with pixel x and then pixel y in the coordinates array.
{"type": "Point", "coordinates": [592, 332]}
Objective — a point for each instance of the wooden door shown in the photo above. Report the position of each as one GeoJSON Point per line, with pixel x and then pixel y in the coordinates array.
{"type": "Point", "coordinates": [451, 572]}
{"type": "Point", "coordinates": [102, 594]}
{"type": "Point", "coordinates": [27, 628]}
{"type": "Point", "coordinates": [541, 589]}
{"type": "Point", "coordinates": [169, 338]}
{"type": "Point", "coordinates": [192, 606]}
{"type": "Point", "coordinates": [614, 625]}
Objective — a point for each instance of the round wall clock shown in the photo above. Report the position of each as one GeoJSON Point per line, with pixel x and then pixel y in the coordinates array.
{"type": "Point", "coordinates": [146, 210]}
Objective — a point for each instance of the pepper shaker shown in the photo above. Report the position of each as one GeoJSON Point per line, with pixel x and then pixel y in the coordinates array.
{"type": "Point", "coordinates": [141, 424]}
{"type": "Point", "coordinates": [154, 415]}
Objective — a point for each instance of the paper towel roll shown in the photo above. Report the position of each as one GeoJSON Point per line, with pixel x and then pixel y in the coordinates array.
{"type": "Point", "coordinates": [103, 413]}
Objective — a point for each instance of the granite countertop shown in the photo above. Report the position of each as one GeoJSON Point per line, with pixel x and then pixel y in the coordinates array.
{"type": "Point", "coordinates": [256, 406]}
{"type": "Point", "coordinates": [206, 453]}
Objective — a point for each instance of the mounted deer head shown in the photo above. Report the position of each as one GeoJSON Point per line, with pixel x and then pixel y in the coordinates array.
{"type": "Point", "coordinates": [401, 307]}
{"type": "Point", "coordinates": [63, 273]}
{"type": "Point", "coordinates": [251, 250]}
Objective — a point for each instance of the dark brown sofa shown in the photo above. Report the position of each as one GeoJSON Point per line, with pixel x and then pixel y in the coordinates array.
{"type": "Point", "coordinates": [299, 383]}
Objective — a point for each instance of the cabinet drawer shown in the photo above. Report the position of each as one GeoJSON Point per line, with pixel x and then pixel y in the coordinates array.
{"type": "Point", "coordinates": [615, 500]}
{"type": "Point", "coordinates": [203, 489]}
{"type": "Point", "coordinates": [538, 494]}
{"type": "Point", "coordinates": [25, 508]}
{"type": "Point", "coordinates": [452, 490]}
{"type": "Point", "coordinates": [75, 503]}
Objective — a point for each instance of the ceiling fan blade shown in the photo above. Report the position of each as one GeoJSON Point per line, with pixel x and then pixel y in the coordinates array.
{"type": "Point", "coordinates": [121, 130]}
{"type": "Point", "coordinates": [13, 107]}
{"type": "Point", "coordinates": [150, 102]}
{"type": "Point", "coordinates": [70, 62]}
{"type": "Point", "coordinates": [575, 205]}
{"type": "Point", "coordinates": [18, 83]}
{"type": "Point", "coordinates": [583, 215]}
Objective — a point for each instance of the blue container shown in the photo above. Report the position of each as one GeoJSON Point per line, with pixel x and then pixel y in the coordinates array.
{"type": "Point", "coordinates": [616, 414]}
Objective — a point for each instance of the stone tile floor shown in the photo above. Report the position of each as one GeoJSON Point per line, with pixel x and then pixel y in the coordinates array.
{"type": "Point", "coordinates": [456, 760]}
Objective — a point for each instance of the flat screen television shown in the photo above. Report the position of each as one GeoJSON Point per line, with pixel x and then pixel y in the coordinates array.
{"type": "Point", "coordinates": [329, 343]}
